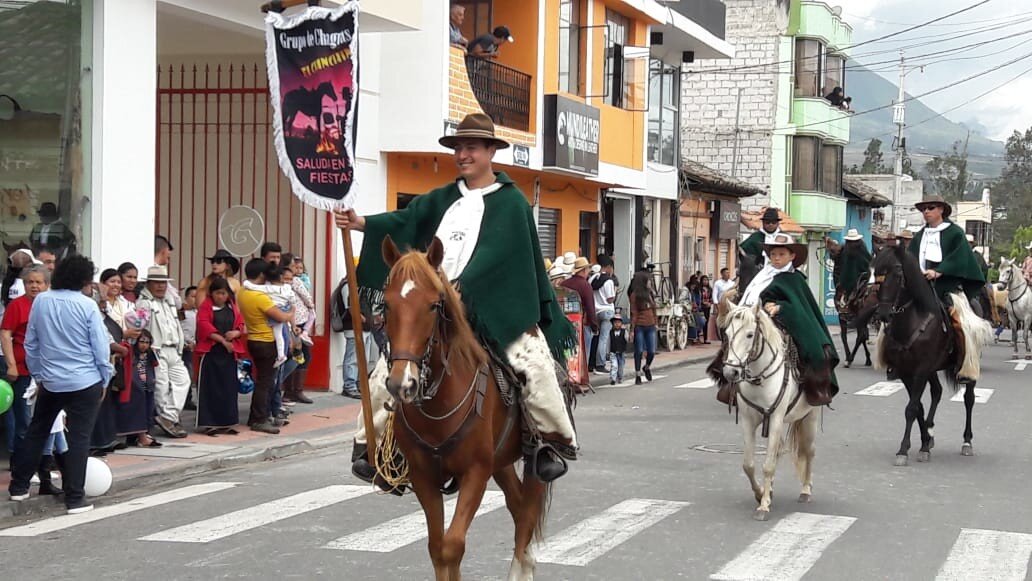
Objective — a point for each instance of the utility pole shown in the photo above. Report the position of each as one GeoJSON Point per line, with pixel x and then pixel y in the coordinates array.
{"type": "Point", "coordinates": [899, 111]}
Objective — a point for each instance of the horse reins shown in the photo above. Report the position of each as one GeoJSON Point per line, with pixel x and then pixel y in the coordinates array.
{"type": "Point", "coordinates": [439, 336]}
{"type": "Point", "coordinates": [1010, 282]}
{"type": "Point", "coordinates": [759, 340]}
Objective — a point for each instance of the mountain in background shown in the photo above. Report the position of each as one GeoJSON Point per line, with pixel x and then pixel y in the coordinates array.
{"type": "Point", "coordinates": [924, 140]}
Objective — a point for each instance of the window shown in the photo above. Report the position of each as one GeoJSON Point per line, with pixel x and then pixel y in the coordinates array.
{"type": "Point", "coordinates": [478, 17]}
{"type": "Point", "coordinates": [45, 125]}
{"type": "Point", "coordinates": [616, 39]}
{"type": "Point", "coordinates": [834, 74]}
{"type": "Point", "coordinates": [588, 235]}
{"type": "Point", "coordinates": [809, 54]}
{"type": "Point", "coordinates": [570, 47]}
{"type": "Point", "coordinates": [804, 163]}
{"type": "Point", "coordinates": [548, 231]}
{"type": "Point", "coordinates": [663, 113]}
{"type": "Point", "coordinates": [831, 169]}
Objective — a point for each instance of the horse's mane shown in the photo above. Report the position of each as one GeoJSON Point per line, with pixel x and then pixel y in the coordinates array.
{"type": "Point", "coordinates": [461, 341]}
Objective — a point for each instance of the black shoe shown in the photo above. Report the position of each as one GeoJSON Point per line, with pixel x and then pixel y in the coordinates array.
{"type": "Point", "coordinates": [360, 466]}
{"type": "Point", "coordinates": [46, 484]}
{"type": "Point", "coordinates": [612, 382]}
{"type": "Point", "coordinates": [300, 397]}
{"type": "Point", "coordinates": [648, 373]}
{"type": "Point", "coordinates": [265, 427]}
{"type": "Point", "coordinates": [352, 393]}
{"type": "Point", "coordinates": [637, 379]}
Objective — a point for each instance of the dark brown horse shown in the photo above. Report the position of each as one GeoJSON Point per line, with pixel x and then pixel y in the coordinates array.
{"type": "Point", "coordinates": [451, 422]}
{"type": "Point", "coordinates": [917, 343]}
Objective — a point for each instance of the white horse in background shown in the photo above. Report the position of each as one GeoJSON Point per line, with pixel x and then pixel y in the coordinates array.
{"type": "Point", "coordinates": [759, 362]}
{"type": "Point", "coordinates": [1019, 301]}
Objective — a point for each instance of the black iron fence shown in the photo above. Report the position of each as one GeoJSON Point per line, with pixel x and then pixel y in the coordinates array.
{"type": "Point", "coordinates": [503, 92]}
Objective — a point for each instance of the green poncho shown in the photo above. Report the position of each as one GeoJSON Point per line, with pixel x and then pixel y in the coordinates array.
{"type": "Point", "coordinates": [753, 245]}
{"type": "Point", "coordinates": [958, 267]}
{"type": "Point", "coordinates": [855, 262]}
{"type": "Point", "coordinates": [802, 319]}
{"type": "Point", "coordinates": [504, 287]}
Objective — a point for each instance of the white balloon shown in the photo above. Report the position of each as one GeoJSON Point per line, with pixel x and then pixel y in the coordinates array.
{"type": "Point", "coordinates": [98, 477]}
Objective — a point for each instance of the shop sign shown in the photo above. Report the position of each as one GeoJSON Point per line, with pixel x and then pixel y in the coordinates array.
{"type": "Point", "coordinates": [521, 155]}
{"type": "Point", "coordinates": [571, 135]}
{"type": "Point", "coordinates": [728, 220]}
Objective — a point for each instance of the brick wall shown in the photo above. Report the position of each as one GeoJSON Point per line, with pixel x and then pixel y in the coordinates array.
{"type": "Point", "coordinates": [462, 101]}
{"type": "Point", "coordinates": [709, 99]}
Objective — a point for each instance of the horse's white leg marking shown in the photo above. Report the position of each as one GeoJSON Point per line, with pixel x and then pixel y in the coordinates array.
{"type": "Point", "coordinates": [770, 463]}
{"type": "Point", "coordinates": [523, 570]}
{"type": "Point", "coordinates": [806, 437]}
{"type": "Point", "coordinates": [749, 452]}
{"type": "Point", "coordinates": [406, 288]}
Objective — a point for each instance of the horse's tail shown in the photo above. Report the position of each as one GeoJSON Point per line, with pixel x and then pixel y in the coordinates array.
{"type": "Point", "coordinates": [977, 333]}
{"type": "Point", "coordinates": [879, 356]}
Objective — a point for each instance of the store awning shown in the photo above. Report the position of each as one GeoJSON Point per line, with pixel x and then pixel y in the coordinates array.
{"type": "Point", "coordinates": [753, 221]}
{"type": "Point", "coordinates": [707, 179]}
{"type": "Point", "coordinates": [863, 193]}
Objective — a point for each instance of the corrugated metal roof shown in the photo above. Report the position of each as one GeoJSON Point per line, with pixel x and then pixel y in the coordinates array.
{"type": "Point", "coordinates": [712, 181]}
{"type": "Point", "coordinates": [865, 193]}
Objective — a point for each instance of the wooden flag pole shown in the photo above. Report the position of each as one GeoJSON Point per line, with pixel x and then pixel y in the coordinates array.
{"type": "Point", "coordinates": [356, 324]}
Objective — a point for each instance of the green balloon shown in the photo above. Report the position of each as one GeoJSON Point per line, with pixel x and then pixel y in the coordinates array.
{"type": "Point", "coordinates": [6, 396]}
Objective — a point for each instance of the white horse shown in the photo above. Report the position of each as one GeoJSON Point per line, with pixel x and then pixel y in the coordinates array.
{"type": "Point", "coordinates": [1019, 301]}
{"type": "Point", "coordinates": [769, 397]}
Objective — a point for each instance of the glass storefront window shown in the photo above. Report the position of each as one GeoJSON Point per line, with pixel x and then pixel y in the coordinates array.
{"type": "Point", "coordinates": [45, 48]}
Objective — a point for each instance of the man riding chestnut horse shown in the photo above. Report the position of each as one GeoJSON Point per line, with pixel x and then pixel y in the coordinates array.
{"type": "Point", "coordinates": [492, 256]}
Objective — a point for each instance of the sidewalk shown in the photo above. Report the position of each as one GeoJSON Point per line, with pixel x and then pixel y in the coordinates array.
{"type": "Point", "coordinates": [330, 421]}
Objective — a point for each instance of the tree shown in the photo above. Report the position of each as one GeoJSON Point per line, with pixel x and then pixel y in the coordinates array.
{"type": "Point", "coordinates": [873, 158]}
{"type": "Point", "coordinates": [948, 173]}
{"type": "Point", "coordinates": [1012, 198]}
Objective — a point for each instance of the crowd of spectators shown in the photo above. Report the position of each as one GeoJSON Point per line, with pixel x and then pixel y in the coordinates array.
{"type": "Point", "coordinates": [113, 361]}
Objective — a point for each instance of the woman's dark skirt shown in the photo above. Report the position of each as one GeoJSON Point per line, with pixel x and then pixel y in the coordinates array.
{"type": "Point", "coordinates": [136, 415]}
{"type": "Point", "coordinates": [217, 390]}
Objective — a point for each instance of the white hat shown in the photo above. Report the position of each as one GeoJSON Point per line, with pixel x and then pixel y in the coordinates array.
{"type": "Point", "coordinates": [28, 253]}
{"type": "Point", "coordinates": [854, 234]}
{"type": "Point", "coordinates": [557, 272]}
{"type": "Point", "coordinates": [595, 269]}
{"type": "Point", "coordinates": [567, 261]}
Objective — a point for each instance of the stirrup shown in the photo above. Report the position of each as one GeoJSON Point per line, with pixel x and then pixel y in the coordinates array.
{"type": "Point", "coordinates": [451, 486]}
{"type": "Point", "coordinates": [545, 450]}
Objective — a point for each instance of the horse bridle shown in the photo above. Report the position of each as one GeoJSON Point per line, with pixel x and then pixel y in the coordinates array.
{"type": "Point", "coordinates": [759, 346]}
{"type": "Point", "coordinates": [426, 389]}
{"type": "Point", "coordinates": [893, 307]}
{"type": "Point", "coordinates": [1010, 281]}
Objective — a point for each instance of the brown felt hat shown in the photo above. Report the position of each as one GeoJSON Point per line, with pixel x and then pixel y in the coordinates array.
{"type": "Point", "coordinates": [475, 126]}
{"type": "Point", "coordinates": [934, 200]}
{"type": "Point", "coordinates": [782, 240]}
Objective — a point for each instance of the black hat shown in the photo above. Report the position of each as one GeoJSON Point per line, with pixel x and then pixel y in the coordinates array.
{"type": "Point", "coordinates": [771, 215]}
{"type": "Point", "coordinates": [47, 210]}
{"type": "Point", "coordinates": [225, 256]}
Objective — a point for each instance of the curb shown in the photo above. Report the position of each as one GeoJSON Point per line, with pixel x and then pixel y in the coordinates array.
{"type": "Point", "coordinates": [39, 506]}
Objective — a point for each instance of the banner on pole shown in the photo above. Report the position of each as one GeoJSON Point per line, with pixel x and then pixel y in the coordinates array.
{"type": "Point", "coordinates": [313, 70]}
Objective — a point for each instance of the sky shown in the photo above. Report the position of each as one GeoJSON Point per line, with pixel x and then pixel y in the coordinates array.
{"type": "Point", "coordinates": [997, 114]}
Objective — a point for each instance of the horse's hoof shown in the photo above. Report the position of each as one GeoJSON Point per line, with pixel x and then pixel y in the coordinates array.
{"type": "Point", "coordinates": [805, 498]}
{"type": "Point", "coordinates": [761, 515]}
{"type": "Point", "coordinates": [967, 450]}
{"type": "Point", "coordinates": [901, 460]}
{"type": "Point", "coordinates": [924, 456]}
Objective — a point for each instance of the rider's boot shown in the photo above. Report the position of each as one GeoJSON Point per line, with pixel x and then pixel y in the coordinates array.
{"type": "Point", "coordinates": [725, 390]}
{"type": "Point", "coordinates": [360, 465]}
{"type": "Point", "coordinates": [530, 357]}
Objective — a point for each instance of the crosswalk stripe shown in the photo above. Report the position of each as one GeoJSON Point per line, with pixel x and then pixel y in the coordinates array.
{"type": "Point", "coordinates": [985, 554]}
{"type": "Point", "coordinates": [397, 533]}
{"type": "Point", "coordinates": [591, 538]}
{"type": "Point", "coordinates": [232, 523]}
{"type": "Point", "coordinates": [982, 395]}
{"type": "Point", "coordinates": [62, 522]}
{"type": "Point", "coordinates": [788, 550]}
{"type": "Point", "coordinates": [704, 383]}
{"type": "Point", "coordinates": [882, 388]}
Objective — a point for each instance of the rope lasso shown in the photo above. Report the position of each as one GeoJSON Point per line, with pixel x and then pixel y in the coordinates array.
{"type": "Point", "coordinates": [391, 464]}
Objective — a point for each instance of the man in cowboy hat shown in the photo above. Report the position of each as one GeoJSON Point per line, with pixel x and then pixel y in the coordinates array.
{"type": "Point", "coordinates": [173, 380]}
{"type": "Point", "coordinates": [770, 224]}
{"type": "Point", "coordinates": [853, 263]}
{"type": "Point", "coordinates": [491, 251]}
{"type": "Point", "coordinates": [785, 295]}
{"type": "Point", "coordinates": [949, 264]}
{"type": "Point", "coordinates": [224, 265]}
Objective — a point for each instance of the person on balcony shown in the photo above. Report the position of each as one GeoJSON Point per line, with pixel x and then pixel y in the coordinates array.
{"type": "Point", "coordinates": [457, 16]}
{"type": "Point", "coordinates": [837, 96]}
{"type": "Point", "coordinates": [486, 45]}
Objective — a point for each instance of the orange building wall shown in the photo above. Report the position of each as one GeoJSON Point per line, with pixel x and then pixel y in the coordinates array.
{"type": "Point", "coordinates": [623, 131]}
{"type": "Point", "coordinates": [522, 19]}
{"type": "Point", "coordinates": [416, 174]}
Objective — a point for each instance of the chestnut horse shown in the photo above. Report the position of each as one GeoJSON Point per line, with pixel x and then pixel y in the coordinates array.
{"type": "Point", "coordinates": [450, 419]}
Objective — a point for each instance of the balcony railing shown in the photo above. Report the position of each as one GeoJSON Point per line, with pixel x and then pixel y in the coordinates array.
{"type": "Point", "coordinates": [503, 92]}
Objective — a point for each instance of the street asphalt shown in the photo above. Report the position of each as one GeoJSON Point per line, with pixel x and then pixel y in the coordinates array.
{"type": "Point", "coordinates": [657, 494]}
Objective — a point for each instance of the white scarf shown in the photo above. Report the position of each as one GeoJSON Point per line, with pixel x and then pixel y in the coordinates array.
{"type": "Point", "coordinates": [931, 244]}
{"type": "Point", "coordinates": [459, 229]}
{"type": "Point", "coordinates": [760, 282]}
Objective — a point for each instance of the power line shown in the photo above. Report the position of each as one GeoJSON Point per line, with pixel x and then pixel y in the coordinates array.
{"type": "Point", "coordinates": [997, 19]}
{"type": "Point", "coordinates": [866, 42]}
